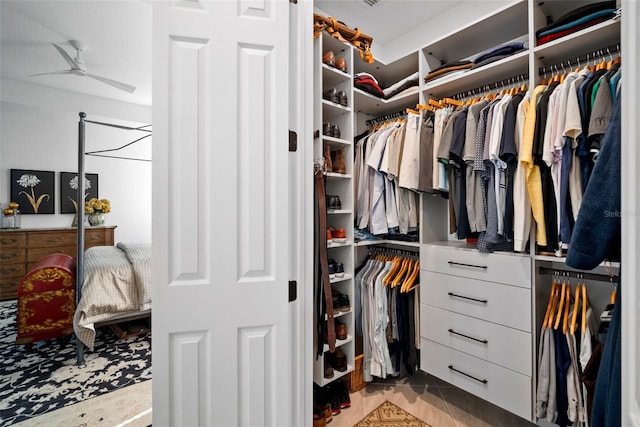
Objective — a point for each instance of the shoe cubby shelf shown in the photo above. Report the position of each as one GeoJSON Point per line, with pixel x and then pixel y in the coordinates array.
{"type": "Point", "coordinates": [337, 140]}
{"type": "Point", "coordinates": [332, 105]}
{"type": "Point", "coordinates": [338, 211]}
{"type": "Point", "coordinates": [338, 175]}
{"type": "Point", "coordinates": [346, 276]}
{"type": "Point", "coordinates": [339, 343]}
{"type": "Point", "coordinates": [322, 381]}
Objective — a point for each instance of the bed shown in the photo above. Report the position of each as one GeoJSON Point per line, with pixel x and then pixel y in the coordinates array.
{"type": "Point", "coordinates": [117, 286]}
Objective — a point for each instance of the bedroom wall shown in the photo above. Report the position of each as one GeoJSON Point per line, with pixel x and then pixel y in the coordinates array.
{"type": "Point", "coordinates": [39, 130]}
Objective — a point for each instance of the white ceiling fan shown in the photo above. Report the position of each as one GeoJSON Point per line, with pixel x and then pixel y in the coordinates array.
{"type": "Point", "coordinates": [79, 69]}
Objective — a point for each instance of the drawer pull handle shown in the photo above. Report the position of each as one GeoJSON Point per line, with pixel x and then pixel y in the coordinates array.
{"type": "Point", "coordinates": [483, 381]}
{"type": "Point", "coordinates": [9, 256]}
{"type": "Point", "coordinates": [484, 267]}
{"type": "Point", "coordinates": [8, 241]}
{"type": "Point", "coordinates": [484, 301]}
{"type": "Point", "coordinates": [467, 336]}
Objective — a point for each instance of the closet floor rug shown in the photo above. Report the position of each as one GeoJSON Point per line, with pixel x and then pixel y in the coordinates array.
{"type": "Point", "coordinates": [46, 378]}
{"type": "Point", "coordinates": [390, 415]}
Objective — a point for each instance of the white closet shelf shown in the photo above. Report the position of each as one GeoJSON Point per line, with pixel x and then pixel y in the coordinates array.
{"type": "Point", "coordinates": [326, 104]}
{"type": "Point", "coordinates": [338, 175]}
{"type": "Point", "coordinates": [339, 315]}
{"type": "Point", "coordinates": [338, 343]}
{"type": "Point", "coordinates": [338, 211]}
{"type": "Point", "coordinates": [335, 141]}
{"type": "Point", "coordinates": [375, 106]}
{"type": "Point", "coordinates": [563, 260]}
{"type": "Point", "coordinates": [494, 29]}
{"type": "Point", "coordinates": [346, 277]}
{"type": "Point", "coordinates": [322, 381]}
{"type": "Point", "coordinates": [339, 245]}
{"type": "Point", "coordinates": [513, 66]}
{"type": "Point", "coordinates": [332, 76]}
{"type": "Point", "coordinates": [579, 43]}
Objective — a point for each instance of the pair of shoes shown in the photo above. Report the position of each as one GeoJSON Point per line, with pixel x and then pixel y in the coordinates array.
{"type": "Point", "coordinates": [338, 162]}
{"type": "Point", "coordinates": [324, 396]}
{"type": "Point", "coordinates": [336, 269]}
{"type": "Point", "coordinates": [340, 302]}
{"type": "Point", "coordinates": [330, 59]}
{"type": "Point", "coordinates": [338, 235]}
{"type": "Point", "coordinates": [333, 202]}
{"type": "Point", "coordinates": [341, 334]}
{"type": "Point", "coordinates": [321, 408]}
{"type": "Point", "coordinates": [339, 389]}
{"type": "Point", "coordinates": [336, 97]}
{"type": "Point", "coordinates": [330, 130]}
{"type": "Point", "coordinates": [328, 369]}
{"type": "Point", "coordinates": [338, 360]}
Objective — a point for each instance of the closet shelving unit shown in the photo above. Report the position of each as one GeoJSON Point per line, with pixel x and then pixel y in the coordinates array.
{"type": "Point", "coordinates": [326, 77]}
{"type": "Point", "coordinates": [521, 301]}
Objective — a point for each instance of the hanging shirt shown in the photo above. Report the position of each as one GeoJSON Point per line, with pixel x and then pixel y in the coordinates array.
{"type": "Point", "coordinates": [521, 205]}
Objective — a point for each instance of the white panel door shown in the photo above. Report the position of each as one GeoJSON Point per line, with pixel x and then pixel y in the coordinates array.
{"type": "Point", "coordinates": [221, 350]}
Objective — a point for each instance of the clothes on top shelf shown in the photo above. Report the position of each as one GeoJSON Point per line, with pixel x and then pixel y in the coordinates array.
{"type": "Point", "coordinates": [576, 20]}
{"type": "Point", "coordinates": [369, 84]}
{"type": "Point", "coordinates": [387, 315]}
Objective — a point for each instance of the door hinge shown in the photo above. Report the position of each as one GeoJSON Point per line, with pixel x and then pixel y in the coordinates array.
{"type": "Point", "coordinates": [293, 290]}
{"type": "Point", "coordinates": [316, 134]}
{"type": "Point", "coordinates": [293, 1]}
{"type": "Point", "coordinates": [293, 141]}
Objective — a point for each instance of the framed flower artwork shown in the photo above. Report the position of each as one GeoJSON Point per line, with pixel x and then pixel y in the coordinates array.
{"type": "Point", "coordinates": [69, 188]}
{"type": "Point", "coordinates": [33, 190]}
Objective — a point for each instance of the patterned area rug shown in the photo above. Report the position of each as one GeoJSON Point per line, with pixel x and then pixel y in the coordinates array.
{"type": "Point", "coordinates": [390, 415]}
{"type": "Point", "coordinates": [45, 378]}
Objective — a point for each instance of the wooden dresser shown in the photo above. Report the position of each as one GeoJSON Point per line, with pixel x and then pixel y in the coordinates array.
{"type": "Point", "coordinates": [21, 249]}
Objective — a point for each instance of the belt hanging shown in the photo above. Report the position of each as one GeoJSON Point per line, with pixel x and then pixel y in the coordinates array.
{"type": "Point", "coordinates": [324, 261]}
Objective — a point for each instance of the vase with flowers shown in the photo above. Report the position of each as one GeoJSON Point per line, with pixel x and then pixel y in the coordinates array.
{"type": "Point", "coordinates": [96, 208]}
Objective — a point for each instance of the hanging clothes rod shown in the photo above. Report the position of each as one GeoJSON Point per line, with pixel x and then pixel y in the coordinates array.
{"type": "Point", "coordinates": [581, 60]}
{"type": "Point", "coordinates": [578, 274]}
{"type": "Point", "coordinates": [491, 87]}
{"type": "Point", "coordinates": [394, 251]}
{"type": "Point", "coordinates": [390, 116]}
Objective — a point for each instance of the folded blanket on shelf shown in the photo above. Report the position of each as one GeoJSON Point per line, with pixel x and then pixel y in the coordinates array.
{"type": "Point", "coordinates": [501, 50]}
{"type": "Point", "coordinates": [402, 85]}
{"type": "Point", "coordinates": [369, 85]}
{"type": "Point", "coordinates": [448, 68]}
{"type": "Point", "coordinates": [578, 13]}
{"type": "Point", "coordinates": [560, 34]}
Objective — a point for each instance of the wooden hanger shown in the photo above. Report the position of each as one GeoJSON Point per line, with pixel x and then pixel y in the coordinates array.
{"type": "Point", "coordinates": [435, 103]}
{"type": "Point", "coordinates": [412, 111]}
{"type": "Point", "coordinates": [576, 308]}
{"type": "Point", "coordinates": [584, 307]}
{"type": "Point", "coordinates": [567, 304]}
{"type": "Point", "coordinates": [401, 273]}
{"type": "Point", "coordinates": [559, 311]}
{"type": "Point", "coordinates": [451, 101]}
{"type": "Point", "coordinates": [386, 280]}
{"type": "Point", "coordinates": [552, 295]}
{"type": "Point", "coordinates": [408, 284]}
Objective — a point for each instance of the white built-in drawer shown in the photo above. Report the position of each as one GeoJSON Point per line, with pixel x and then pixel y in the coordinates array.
{"type": "Point", "coordinates": [495, 343]}
{"type": "Point", "coordinates": [505, 388]}
{"type": "Point", "coordinates": [510, 269]}
{"type": "Point", "coordinates": [494, 302]}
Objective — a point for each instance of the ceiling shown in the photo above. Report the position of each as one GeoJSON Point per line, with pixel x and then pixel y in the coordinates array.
{"type": "Point", "coordinates": [390, 18]}
{"type": "Point", "coordinates": [117, 36]}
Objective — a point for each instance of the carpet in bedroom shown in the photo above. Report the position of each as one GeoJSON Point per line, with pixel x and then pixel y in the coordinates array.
{"type": "Point", "coordinates": [45, 378]}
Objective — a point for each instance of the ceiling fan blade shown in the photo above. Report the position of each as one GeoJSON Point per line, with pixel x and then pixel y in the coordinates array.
{"type": "Point", "coordinates": [52, 72]}
{"type": "Point", "coordinates": [66, 56]}
{"type": "Point", "coordinates": [119, 85]}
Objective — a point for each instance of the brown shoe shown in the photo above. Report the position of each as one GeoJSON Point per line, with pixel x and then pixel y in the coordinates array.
{"type": "Point", "coordinates": [338, 360]}
{"type": "Point", "coordinates": [319, 420]}
{"type": "Point", "coordinates": [341, 64]}
{"type": "Point", "coordinates": [341, 331]}
{"type": "Point", "coordinates": [329, 58]}
{"type": "Point", "coordinates": [327, 158]}
{"type": "Point", "coordinates": [339, 163]}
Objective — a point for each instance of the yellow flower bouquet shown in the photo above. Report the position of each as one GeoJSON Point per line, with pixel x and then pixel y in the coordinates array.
{"type": "Point", "coordinates": [97, 205]}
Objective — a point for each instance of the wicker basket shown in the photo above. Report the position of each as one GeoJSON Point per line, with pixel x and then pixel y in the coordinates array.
{"type": "Point", "coordinates": [355, 380]}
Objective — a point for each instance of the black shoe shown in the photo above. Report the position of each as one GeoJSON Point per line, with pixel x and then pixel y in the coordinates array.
{"type": "Point", "coordinates": [342, 98]}
{"type": "Point", "coordinates": [335, 131]}
{"type": "Point", "coordinates": [340, 389]}
{"type": "Point", "coordinates": [343, 303]}
{"type": "Point", "coordinates": [326, 129]}
{"type": "Point", "coordinates": [333, 202]}
{"type": "Point", "coordinates": [332, 95]}
{"type": "Point", "coordinates": [339, 269]}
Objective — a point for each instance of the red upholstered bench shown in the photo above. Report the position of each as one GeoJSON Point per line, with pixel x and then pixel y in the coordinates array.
{"type": "Point", "coordinates": [46, 300]}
